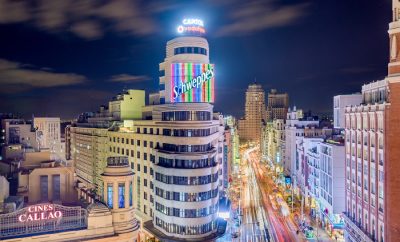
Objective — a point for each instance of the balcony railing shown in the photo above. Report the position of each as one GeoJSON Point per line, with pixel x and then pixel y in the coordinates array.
{"type": "Point", "coordinates": [356, 229]}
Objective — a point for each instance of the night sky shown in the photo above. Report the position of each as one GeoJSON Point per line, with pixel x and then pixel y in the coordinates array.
{"type": "Point", "coordinates": [62, 58]}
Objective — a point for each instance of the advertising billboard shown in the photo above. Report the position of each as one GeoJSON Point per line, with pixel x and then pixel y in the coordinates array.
{"type": "Point", "coordinates": [192, 82]}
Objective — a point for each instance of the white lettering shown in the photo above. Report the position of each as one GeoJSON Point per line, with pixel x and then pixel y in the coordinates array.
{"type": "Point", "coordinates": [194, 83]}
{"type": "Point", "coordinates": [191, 21]}
{"type": "Point", "coordinates": [39, 212]}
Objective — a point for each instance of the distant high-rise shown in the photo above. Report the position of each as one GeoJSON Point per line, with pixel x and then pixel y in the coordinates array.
{"type": "Point", "coordinates": [277, 106]}
{"type": "Point", "coordinates": [250, 126]}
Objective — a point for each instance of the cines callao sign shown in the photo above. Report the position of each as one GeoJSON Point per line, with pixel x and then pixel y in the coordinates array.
{"type": "Point", "coordinates": [39, 213]}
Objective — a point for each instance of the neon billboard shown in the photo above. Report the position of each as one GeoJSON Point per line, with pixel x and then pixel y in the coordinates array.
{"type": "Point", "coordinates": [193, 26]}
{"type": "Point", "coordinates": [192, 82]}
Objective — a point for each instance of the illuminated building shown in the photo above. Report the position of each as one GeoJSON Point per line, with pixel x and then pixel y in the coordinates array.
{"type": "Point", "coordinates": [295, 126]}
{"type": "Point", "coordinates": [372, 153]}
{"type": "Point", "coordinates": [186, 72]}
{"type": "Point", "coordinates": [118, 193]}
{"type": "Point", "coordinates": [340, 102]}
{"type": "Point", "coordinates": [127, 105]}
{"type": "Point", "coordinates": [331, 184]}
{"type": "Point", "coordinates": [48, 130]}
{"type": "Point", "coordinates": [19, 137]}
{"type": "Point", "coordinates": [273, 144]}
{"type": "Point", "coordinates": [88, 139]}
{"type": "Point", "coordinates": [56, 211]}
{"type": "Point", "coordinates": [250, 126]}
{"type": "Point", "coordinates": [174, 146]}
{"type": "Point", "coordinates": [277, 105]}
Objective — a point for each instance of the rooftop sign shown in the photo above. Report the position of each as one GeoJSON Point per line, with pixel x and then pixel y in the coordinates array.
{"type": "Point", "coordinates": [191, 26]}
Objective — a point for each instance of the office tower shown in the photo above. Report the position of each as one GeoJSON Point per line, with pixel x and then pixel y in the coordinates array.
{"type": "Point", "coordinates": [277, 105]}
{"type": "Point", "coordinates": [250, 126]}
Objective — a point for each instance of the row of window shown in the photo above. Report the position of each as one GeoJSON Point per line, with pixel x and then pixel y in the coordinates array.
{"type": "Point", "coordinates": [186, 116]}
{"type": "Point", "coordinates": [187, 213]}
{"type": "Point", "coordinates": [187, 197]}
{"type": "Point", "coordinates": [184, 180]}
{"type": "Point", "coordinates": [190, 50]}
{"type": "Point", "coordinates": [186, 148]}
{"type": "Point", "coordinates": [186, 132]}
{"type": "Point", "coordinates": [186, 230]}
{"type": "Point", "coordinates": [131, 141]}
{"type": "Point", "coordinates": [44, 188]}
{"type": "Point", "coordinates": [186, 164]}
{"type": "Point", "coordinates": [121, 195]}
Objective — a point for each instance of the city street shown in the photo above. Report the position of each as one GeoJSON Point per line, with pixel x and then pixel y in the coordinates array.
{"type": "Point", "coordinates": [264, 216]}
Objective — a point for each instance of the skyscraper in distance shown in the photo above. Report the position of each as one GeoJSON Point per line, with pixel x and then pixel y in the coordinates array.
{"type": "Point", "coordinates": [250, 125]}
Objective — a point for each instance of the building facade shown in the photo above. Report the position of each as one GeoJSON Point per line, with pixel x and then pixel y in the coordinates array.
{"type": "Point", "coordinates": [295, 126]}
{"type": "Point", "coordinates": [250, 126]}
{"type": "Point", "coordinates": [340, 102]}
{"type": "Point", "coordinates": [372, 141]}
{"type": "Point", "coordinates": [277, 105]}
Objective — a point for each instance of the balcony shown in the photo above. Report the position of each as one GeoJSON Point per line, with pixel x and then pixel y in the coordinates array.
{"type": "Point", "coordinates": [355, 229]}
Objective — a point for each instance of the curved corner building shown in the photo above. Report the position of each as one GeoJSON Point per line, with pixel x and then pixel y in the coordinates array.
{"type": "Point", "coordinates": [188, 158]}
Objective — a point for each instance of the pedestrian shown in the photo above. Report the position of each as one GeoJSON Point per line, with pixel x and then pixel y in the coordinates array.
{"type": "Point", "coordinates": [336, 237]}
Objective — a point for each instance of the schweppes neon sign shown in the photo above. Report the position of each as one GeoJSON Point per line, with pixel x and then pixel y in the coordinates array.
{"type": "Point", "coordinates": [196, 82]}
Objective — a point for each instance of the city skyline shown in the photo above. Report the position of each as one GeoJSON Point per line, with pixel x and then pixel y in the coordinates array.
{"type": "Point", "coordinates": [66, 57]}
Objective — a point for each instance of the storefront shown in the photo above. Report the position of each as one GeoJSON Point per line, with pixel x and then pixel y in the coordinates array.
{"type": "Point", "coordinates": [333, 224]}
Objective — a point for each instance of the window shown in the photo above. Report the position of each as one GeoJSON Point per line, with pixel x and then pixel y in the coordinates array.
{"type": "Point", "coordinates": [151, 130]}
{"type": "Point", "coordinates": [145, 195]}
{"type": "Point", "coordinates": [138, 142]}
{"type": "Point", "coordinates": [56, 188]}
{"type": "Point", "coordinates": [44, 188]}
{"type": "Point", "coordinates": [145, 169]}
{"type": "Point", "coordinates": [110, 195]}
{"type": "Point", "coordinates": [145, 130]}
{"type": "Point", "coordinates": [138, 155]}
{"type": "Point", "coordinates": [130, 194]}
{"type": "Point", "coordinates": [145, 182]}
{"type": "Point", "coordinates": [121, 195]}
{"type": "Point", "coordinates": [145, 143]}
{"type": "Point", "coordinates": [151, 144]}
{"type": "Point", "coordinates": [122, 140]}
{"type": "Point", "coordinates": [138, 130]}
{"type": "Point", "coordinates": [138, 167]}
{"type": "Point", "coordinates": [145, 156]}
{"type": "Point", "coordinates": [132, 153]}
{"type": "Point", "coordinates": [190, 50]}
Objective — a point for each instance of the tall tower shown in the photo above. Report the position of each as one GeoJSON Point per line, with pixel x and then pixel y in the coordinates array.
{"type": "Point", "coordinates": [250, 126]}
{"type": "Point", "coordinates": [186, 74]}
{"type": "Point", "coordinates": [118, 193]}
